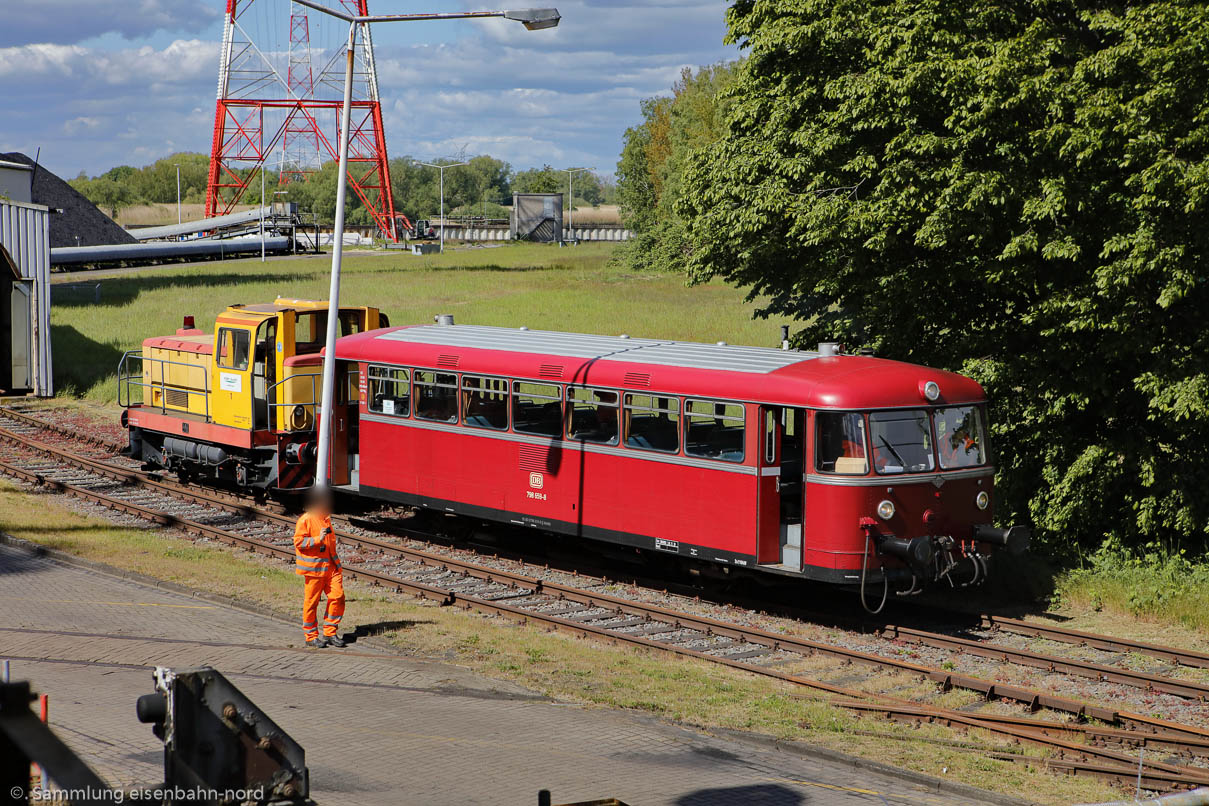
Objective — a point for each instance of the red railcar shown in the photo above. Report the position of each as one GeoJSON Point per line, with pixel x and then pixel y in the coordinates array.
{"type": "Point", "coordinates": [846, 469]}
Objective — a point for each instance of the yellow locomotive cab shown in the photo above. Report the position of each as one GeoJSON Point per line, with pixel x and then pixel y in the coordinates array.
{"type": "Point", "coordinates": [256, 378]}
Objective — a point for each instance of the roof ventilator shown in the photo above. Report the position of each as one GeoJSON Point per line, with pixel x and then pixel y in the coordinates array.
{"type": "Point", "coordinates": [827, 348]}
{"type": "Point", "coordinates": [443, 319]}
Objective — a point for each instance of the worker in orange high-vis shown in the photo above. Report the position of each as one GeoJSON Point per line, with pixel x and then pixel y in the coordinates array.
{"type": "Point", "coordinates": [317, 562]}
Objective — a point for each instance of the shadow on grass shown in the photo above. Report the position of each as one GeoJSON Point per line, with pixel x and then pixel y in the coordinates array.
{"type": "Point", "coordinates": [120, 290]}
{"type": "Point", "coordinates": [379, 627]}
{"type": "Point", "coordinates": [81, 362]}
{"type": "Point", "coordinates": [486, 267]}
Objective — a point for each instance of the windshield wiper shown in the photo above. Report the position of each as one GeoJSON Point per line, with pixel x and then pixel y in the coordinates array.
{"type": "Point", "coordinates": [902, 462]}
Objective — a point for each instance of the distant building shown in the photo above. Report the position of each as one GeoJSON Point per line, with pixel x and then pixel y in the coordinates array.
{"type": "Point", "coordinates": [25, 362]}
{"type": "Point", "coordinates": [16, 181]}
{"type": "Point", "coordinates": [537, 217]}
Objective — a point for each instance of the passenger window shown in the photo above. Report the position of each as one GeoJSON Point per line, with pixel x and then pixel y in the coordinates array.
{"type": "Point", "coordinates": [306, 328]}
{"type": "Point", "coordinates": [389, 391]}
{"type": "Point", "coordinates": [713, 430]}
{"type": "Point", "coordinates": [436, 396]}
{"type": "Point", "coordinates": [537, 409]}
{"type": "Point", "coordinates": [652, 422]}
{"type": "Point", "coordinates": [839, 443]}
{"type": "Point", "coordinates": [233, 348]}
{"type": "Point", "coordinates": [592, 415]}
{"type": "Point", "coordinates": [485, 402]}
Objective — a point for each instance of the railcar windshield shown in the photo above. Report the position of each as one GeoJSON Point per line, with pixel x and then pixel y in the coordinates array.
{"type": "Point", "coordinates": [901, 441]}
{"type": "Point", "coordinates": [839, 445]}
{"type": "Point", "coordinates": [960, 437]}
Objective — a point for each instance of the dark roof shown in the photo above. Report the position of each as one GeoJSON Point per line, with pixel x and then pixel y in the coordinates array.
{"type": "Point", "coordinates": [80, 217]}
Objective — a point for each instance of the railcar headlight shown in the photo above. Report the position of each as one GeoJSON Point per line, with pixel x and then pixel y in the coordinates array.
{"type": "Point", "coordinates": [982, 500]}
{"type": "Point", "coordinates": [885, 510]}
{"type": "Point", "coordinates": [931, 391]}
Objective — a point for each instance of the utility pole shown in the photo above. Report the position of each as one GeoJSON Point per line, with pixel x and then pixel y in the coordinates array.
{"type": "Point", "coordinates": [178, 193]}
{"type": "Point", "coordinates": [570, 172]}
{"type": "Point", "coordinates": [532, 19]}
{"type": "Point", "coordinates": [441, 169]}
{"type": "Point", "coordinates": [262, 211]}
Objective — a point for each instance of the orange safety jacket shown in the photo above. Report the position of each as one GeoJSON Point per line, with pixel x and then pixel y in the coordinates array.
{"type": "Point", "coordinates": [315, 553]}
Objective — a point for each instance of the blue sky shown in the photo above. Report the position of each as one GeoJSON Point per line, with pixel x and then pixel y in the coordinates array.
{"type": "Point", "coordinates": [98, 83]}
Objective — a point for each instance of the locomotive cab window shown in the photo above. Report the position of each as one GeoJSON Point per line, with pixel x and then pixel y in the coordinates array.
{"type": "Point", "coordinates": [485, 402]}
{"type": "Point", "coordinates": [592, 415]}
{"type": "Point", "coordinates": [652, 422]}
{"type": "Point", "coordinates": [960, 437]}
{"type": "Point", "coordinates": [234, 348]}
{"type": "Point", "coordinates": [901, 441]}
{"type": "Point", "coordinates": [436, 396]}
{"type": "Point", "coordinates": [713, 430]}
{"type": "Point", "coordinates": [839, 443]}
{"type": "Point", "coordinates": [537, 409]}
{"type": "Point", "coordinates": [389, 391]}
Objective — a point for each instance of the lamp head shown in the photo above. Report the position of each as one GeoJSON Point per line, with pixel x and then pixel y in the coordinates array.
{"type": "Point", "coordinates": [535, 19]}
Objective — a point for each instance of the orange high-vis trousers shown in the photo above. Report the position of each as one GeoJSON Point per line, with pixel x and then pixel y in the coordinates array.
{"type": "Point", "coordinates": [333, 586]}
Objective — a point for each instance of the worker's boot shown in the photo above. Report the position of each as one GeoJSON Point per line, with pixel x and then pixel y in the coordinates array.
{"type": "Point", "coordinates": [334, 640]}
{"type": "Point", "coordinates": [317, 643]}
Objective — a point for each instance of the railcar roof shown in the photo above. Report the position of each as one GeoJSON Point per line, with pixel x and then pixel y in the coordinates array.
{"type": "Point", "coordinates": [712, 370]}
{"type": "Point", "coordinates": [659, 352]}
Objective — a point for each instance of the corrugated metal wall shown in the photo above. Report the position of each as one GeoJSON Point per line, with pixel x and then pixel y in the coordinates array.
{"type": "Point", "coordinates": [25, 233]}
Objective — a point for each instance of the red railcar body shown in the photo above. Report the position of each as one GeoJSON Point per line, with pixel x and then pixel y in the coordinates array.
{"type": "Point", "coordinates": [841, 468]}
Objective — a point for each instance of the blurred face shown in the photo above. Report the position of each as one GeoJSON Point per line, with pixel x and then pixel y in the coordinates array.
{"type": "Point", "coordinates": [319, 502]}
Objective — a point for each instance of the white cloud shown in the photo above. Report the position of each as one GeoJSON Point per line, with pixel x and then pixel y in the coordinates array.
{"type": "Point", "coordinates": [526, 97]}
{"type": "Point", "coordinates": [71, 21]}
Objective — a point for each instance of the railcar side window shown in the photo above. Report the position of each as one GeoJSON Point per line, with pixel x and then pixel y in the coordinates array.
{"type": "Point", "coordinates": [389, 391]}
{"type": "Point", "coordinates": [902, 441]}
{"type": "Point", "coordinates": [839, 443]}
{"type": "Point", "coordinates": [436, 396]}
{"type": "Point", "coordinates": [537, 409]}
{"type": "Point", "coordinates": [485, 402]}
{"type": "Point", "coordinates": [592, 415]}
{"type": "Point", "coordinates": [713, 430]}
{"type": "Point", "coordinates": [652, 422]}
{"type": "Point", "coordinates": [234, 347]}
{"type": "Point", "coordinates": [960, 437]}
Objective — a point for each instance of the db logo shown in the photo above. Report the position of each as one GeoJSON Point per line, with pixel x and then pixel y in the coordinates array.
{"type": "Point", "coordinates": [536, 481]}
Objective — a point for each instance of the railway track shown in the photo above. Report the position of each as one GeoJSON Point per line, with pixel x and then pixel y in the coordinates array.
{"type": "Point", "coordinates": [1074, 747]}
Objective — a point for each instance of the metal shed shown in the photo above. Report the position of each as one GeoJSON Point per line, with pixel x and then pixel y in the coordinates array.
{"type": "Point", "coordinates": [537, 217]}
{"type": "Point", "coordinates": [25, 354]}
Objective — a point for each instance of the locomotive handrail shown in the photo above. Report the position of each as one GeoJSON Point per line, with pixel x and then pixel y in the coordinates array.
{"type": "Point", "coordinates": [307, 403]}
{"type": "Point", "coordinates": [127, 378]}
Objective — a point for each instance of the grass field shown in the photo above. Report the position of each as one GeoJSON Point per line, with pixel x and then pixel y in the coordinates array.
{"type": "Point", "coordinates": [539, 286]}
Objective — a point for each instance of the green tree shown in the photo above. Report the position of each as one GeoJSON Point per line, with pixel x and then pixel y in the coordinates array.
{"type": "Point", "coordinates": [1016, 190]}
{"type": "Point", "coordinates": [653, 160]}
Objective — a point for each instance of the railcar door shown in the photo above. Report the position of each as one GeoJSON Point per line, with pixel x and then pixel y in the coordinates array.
{"type": "Point", "coordinates": [781, 496]}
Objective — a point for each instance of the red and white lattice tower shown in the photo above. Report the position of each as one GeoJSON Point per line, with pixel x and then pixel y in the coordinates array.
{"type": "Point", "coordinates": [262, 118]}
{"type": "Point", "coordinates": [300, 154]}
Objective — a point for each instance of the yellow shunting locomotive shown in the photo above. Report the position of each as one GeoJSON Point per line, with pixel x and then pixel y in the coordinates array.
{"type": "Point", "coordinates": [239, 404]}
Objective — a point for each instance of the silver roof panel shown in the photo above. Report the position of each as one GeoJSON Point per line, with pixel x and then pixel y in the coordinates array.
{"type": "Point", "coordinates": [730, 358]}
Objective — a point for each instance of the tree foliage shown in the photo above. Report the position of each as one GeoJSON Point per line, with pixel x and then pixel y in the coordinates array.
{"type": "Point", "coordinates": [654, 156]}
{"type": "Point", "coordinates": [1016, 190]}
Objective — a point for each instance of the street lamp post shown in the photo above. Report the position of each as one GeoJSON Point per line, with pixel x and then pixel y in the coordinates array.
{"type": "Point", "coordinates": [262, 211]}
{"type": "Point", "coordinates": [534, 19]}
{"type": "Point", "coordinates": [442, 168]}
{"type": "Point", "coordinates": [178, 193]}
{"type": "Point", "coordinates": [570, 172]}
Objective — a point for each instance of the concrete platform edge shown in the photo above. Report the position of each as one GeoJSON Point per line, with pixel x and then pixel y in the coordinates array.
{"type": "Point", "coordinates": [938, 785]}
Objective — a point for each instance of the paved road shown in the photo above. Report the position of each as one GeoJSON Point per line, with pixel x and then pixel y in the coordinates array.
{"type": "Point", "coordinates": [377, 728]}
